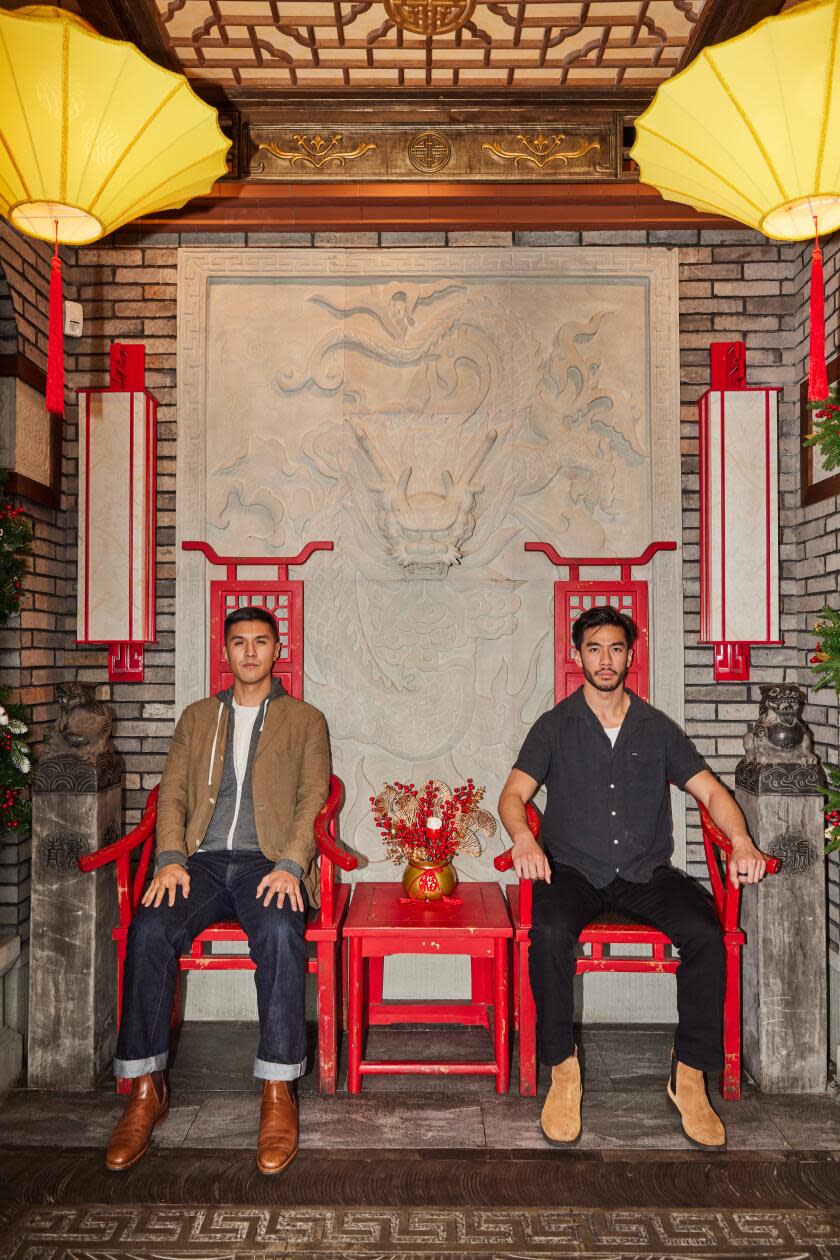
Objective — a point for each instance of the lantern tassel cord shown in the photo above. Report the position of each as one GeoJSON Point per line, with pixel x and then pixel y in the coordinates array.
{"type": "Point", "coordinates": [55, 352]}
{"type": "Point", "coordinates": [817, 378]}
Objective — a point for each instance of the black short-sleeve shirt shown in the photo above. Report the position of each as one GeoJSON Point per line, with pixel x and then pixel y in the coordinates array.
{"type": "Point", "coordinates": [608, 809]}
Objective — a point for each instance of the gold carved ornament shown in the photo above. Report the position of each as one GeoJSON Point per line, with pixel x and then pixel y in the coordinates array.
{"type": "Point", "coordinates": [430, 17]}
{"type": "Point", "coordinates": [429, 151]}
{"type": "Point", "coordinates": [541, 150]}
{"type": "Point", "coordinates": [316, 151]}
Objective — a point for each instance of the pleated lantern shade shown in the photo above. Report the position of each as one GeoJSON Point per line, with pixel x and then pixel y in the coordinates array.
{"type": "Point", "coordinates": [751, 130]}
{"type": "Point", "coordinates": [92, 133]}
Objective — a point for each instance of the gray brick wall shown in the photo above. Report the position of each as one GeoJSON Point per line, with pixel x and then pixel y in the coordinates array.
{"type": "Point", "coordinates": [732, 284]}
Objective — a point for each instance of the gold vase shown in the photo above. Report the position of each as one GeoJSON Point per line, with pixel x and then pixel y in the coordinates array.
{"type": "Point", "coordinates": [429, 881]}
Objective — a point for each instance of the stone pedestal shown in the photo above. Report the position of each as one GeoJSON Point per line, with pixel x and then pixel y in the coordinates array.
{"type": "Point", "coordinates": [11, 1042]}
{"type": "Point", "coordinates": [785, 1038]}
{"type": "Point", "coordinates": [76, 808]}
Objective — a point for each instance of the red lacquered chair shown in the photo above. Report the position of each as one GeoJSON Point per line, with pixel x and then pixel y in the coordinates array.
{"type": "Point", "coordinates": [323, 929]}
{"type": "Point", "coordinates": [605, 938]}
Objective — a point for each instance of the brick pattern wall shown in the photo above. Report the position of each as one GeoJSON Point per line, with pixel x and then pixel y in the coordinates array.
{"type": "Point", "coordinates": [32, 644]}
{"type": "Point", "coordinates": [815, 550]}
{"type": "Point", "coordinates": [732, 284]}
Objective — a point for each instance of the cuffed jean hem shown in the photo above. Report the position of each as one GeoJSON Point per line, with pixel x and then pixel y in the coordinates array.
{"type": "Point", "coordinates": [265, 1071]}
{"type": "Point", "coordinates": [140, 1067]}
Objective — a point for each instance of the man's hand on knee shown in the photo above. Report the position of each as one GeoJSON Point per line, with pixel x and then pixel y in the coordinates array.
{"type": "Point", "coordinates": [281, 884]}
{"type": "Point", "coordinates": [529, 861]}
{"type": "Point", "coordinates": [165, 883]}
{"type": "Point", "coordinates": [747, 864]}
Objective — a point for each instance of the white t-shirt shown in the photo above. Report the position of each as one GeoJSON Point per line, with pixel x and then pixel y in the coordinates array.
{"type": "Point", "coordinates": [243, 728]}
{"type": "Point", "coordinates": [612, 732]}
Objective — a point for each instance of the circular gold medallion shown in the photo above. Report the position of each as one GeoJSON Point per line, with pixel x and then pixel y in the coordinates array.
{"type": "Point", "coordinates": [430, 17]}
{"type": "Point", "coordinates": [429, 152]}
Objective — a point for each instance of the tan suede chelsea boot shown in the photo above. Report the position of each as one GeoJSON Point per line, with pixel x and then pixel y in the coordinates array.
{"type": "Point", "coordinates": [147, 1106]}
{"type": "Point", "coordinates": [560, 1119]}
{"type": "Point", "coordinates": [278, 1140]}
{"type": "Point", "coordinates": [701, 1124]}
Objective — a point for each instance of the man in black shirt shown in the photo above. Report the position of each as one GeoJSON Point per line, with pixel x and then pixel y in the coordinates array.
{"type": "Point", "coordinates": [606, 759]}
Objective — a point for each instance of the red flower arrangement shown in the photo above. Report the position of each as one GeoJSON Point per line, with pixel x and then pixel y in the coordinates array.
{"type": "Point", "coordinates": [432, 823]}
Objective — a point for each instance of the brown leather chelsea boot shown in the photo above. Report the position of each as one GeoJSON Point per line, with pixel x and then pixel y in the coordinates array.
{"type": "Point", "coordinates": [560, 1119]}
{"type": "Point", "coordinates": [147, 1106]}
{"type": "Point", "coordinates": [278, 1140]}
{"type": "Point", "coordinates": [701, 1124]}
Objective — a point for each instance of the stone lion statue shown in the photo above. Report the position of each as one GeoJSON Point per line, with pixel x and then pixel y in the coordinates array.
{"type": "Point", "coordinates": [83, 728]}
{"type": "Point", "coordinates": [779, 735]}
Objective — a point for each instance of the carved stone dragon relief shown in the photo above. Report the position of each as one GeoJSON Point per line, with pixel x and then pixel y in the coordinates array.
{"type": "Point", "coordinates": [448, 428]}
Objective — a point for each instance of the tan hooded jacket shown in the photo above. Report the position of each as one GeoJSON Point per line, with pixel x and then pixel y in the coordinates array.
{"type": "Point", "coordinates": [289, 780]}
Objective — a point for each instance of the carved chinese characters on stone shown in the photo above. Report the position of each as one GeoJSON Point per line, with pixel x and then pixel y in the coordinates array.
{"type": "Point", "coordinates": [60, 850]}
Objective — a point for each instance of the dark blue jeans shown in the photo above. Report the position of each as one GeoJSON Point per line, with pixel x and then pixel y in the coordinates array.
{"type": "Point", "coordinates": [223, 885]}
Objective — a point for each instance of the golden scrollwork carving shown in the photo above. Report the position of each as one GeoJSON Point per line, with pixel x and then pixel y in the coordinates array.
{"type": "Point", "coordinates": [541, 150]}
{"type": "Point", "coordinates": [430, 17]}
{"type": "Point", "coordinates": [318, 150]}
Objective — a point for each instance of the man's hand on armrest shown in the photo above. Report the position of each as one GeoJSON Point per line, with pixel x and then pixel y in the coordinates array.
{"type": "Point", "coordinates": [165, 884]}
{"type": "Point", "coordinates": [748, 864]}
{"type": "Point", "coordinates": [529, 861]}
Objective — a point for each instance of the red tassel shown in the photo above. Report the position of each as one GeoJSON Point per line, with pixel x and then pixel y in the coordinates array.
{"type": "Point", "coordinates": [817, 379]}
{"type": "Point", "coordinates": [55, 353]}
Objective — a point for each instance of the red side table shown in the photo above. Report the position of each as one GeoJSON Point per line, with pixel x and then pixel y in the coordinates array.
{"type": "Point", "coordinates": [380, 923]}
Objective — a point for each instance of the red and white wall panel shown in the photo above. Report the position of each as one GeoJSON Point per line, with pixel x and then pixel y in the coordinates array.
{"type": "Point", "coordinates": [116, 597]}
{"type": "Point", "coordinates": [739, 517]}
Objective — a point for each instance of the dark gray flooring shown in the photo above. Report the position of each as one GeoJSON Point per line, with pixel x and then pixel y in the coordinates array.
{"type": "Point", "coordinates": [215, 1102]}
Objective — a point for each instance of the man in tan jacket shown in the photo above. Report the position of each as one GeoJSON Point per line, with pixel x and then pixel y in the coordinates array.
{"type": "Point", "coordinates": [247, 773]}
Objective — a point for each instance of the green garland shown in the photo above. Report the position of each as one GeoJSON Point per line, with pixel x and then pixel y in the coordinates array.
{"type": "Point", "coordinates": [826, 663]}
{"type": "Point", "coordinates": [825, 430]}
{"type": "Point", "coordinates": [15, 545]}
{"type": "Point", "coordinates": [15, 766]}
{"type": "Point", "coordinates": [15, 762]}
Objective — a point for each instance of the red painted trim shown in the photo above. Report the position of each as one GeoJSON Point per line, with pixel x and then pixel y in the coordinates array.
{"type": "Point", "coordinates": [722, 517]}
{"type": "Point", "coordinates": [131, 518]}
{"type": "Point", "coordinates": [767, 506]}
{"type": "Point", "coordinates": [87, 518]}
{"type": "Point", "coordinates": [626, 562]}
{"type": "Point", "coordinates": [301, 557]}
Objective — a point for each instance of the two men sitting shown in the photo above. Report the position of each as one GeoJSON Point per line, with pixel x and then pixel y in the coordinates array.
{"type": "Point", "coordinates": [247, 773]}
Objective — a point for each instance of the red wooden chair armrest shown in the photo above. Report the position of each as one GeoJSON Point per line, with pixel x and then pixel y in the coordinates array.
{"type": "Point", "coordinates": [505, 861]}
{"type": "Point", "coordinates": [727, 896]}
{"type": "Point", "coordinates": [326, 845]}
{"type": "Point", "coordinates": [126, 844]}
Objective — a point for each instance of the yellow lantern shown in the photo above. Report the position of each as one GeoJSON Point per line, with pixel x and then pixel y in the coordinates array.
{"type": "Point", "coordinates": [751, 129]}
{"type": "Point", "coordinates": [92, 135]}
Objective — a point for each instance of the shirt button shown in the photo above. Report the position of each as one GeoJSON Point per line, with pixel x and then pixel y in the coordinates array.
{"type": "Point", "coordinates": [616, 870]}
{"type": "Point", "coordinates": [612, 785]}
{"type": "Point", "coordinates": [612, 811]}
{"type": "Point", "coordinates": [615, 842]}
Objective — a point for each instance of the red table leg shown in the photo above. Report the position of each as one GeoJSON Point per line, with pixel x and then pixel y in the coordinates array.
{"type": "Point", "coordinates": [527, 1024]}
{"type": "Point", "coordinates": [354, 1018]}
{"type": "Point", "coordinates": [730, 1079]}
{"type": "Point", "coordinates": [327, 1032]}
{"type": "Point", "coordinates": [501, 1016]}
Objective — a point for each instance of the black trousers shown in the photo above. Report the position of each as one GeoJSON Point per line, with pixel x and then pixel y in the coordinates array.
{"type": "Point", "coordinates": [669, 901]}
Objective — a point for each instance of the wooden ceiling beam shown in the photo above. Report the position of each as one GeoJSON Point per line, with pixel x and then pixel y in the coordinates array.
{"type": "Point", "coordinates": [360, 207]}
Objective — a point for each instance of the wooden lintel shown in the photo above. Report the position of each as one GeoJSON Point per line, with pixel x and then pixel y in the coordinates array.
{"type": "Point", "coordinates": [406, 207]}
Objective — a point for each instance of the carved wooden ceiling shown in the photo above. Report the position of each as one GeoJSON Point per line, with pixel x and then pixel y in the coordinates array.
{"type": "Point", "coordinates": [616, 50]}
{"type": "Point", "coordinates": [520, 46]}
